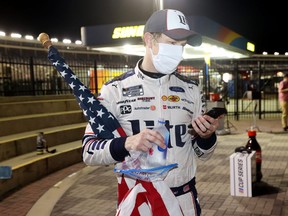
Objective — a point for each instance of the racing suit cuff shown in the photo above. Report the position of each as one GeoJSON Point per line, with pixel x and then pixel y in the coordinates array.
{"type": "Point", "coordinates": [207, 143]}
{"type": "Point", "coordinates": [117, 149]}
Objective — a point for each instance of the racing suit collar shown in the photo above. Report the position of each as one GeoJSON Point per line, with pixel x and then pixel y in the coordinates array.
{"type": "Point", "coordinates": [148, 79]}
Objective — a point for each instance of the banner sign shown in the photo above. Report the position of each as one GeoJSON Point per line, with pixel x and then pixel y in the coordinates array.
{"type": "Point", "coordinates": [242, 173]}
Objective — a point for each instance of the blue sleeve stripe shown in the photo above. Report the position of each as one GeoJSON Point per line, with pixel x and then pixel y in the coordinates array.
{"type": "Point", "coordinates": [206, 143]}
{"type": "Point", "coordinates": [100, 144]}
{"type": "Point", "coordinates": [117, 149]}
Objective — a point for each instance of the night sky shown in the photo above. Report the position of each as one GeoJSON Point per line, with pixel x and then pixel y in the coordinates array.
{"type": "Point", "coordinates": [260, 22]}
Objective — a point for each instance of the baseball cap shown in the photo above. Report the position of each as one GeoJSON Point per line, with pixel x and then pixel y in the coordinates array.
{"type": "Point", "coordinates": [173, 24]}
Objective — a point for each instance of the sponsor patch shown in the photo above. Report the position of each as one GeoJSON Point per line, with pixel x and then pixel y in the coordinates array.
{"type": "Point", "coordinates": [184, 108]}
{"type": "Point", "coordinates": [125, 109]}
{"type": "Point", "coordinates": [173, 98]}
{"type": "Point", "coordinates": [176, 89]}
{"type": "Point", "coordinates": [152, 107]}
{"type": "Point", "coordinates": [198, 152]}
{"type": "Point", "coordinates": [133, 91]}
{"type": "Point", "coordinates": [164, 98]}
{"type": "Point", "coordinates": [146, 99]}
{"type": "Point", "coordinates": [187, 101]}
{"type": "Point", "coordinates": [173, 107]}
{"type": "Point", "coordinates": [126, 101]}
{"type": "Point", "coordinates": [142, 108]}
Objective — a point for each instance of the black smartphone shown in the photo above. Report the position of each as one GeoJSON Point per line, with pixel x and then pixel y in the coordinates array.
{"type": "Point", "coordinates": [215, 112]}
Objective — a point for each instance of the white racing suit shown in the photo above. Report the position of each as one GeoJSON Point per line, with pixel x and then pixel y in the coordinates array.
{"type": "Point", "coordinates": [137, 101]}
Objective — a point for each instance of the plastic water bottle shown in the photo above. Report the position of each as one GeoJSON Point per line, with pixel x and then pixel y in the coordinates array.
{"type": "Point", "coordinates": [156, 156]}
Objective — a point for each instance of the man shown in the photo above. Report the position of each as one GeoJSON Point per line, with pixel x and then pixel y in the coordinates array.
{"type": "Point", "coordinates": [155, 90]}
{"type": "Point", "coordinates": [283, 100]}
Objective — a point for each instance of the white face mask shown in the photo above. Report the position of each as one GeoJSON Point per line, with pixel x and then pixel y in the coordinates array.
{"type": "Point", "coordinates": [168, 58]}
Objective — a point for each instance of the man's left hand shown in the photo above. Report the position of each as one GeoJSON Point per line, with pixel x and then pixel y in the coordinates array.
{"type": "Point", "coordinates": [205, 125]}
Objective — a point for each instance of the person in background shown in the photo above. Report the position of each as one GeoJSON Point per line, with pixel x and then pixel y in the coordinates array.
{"type": "Point", "coordinates": [154, 89]}
{"type": "Point", "coordinates": [283, 100]}
{"type": "Point", "coordinates": [40, 143]}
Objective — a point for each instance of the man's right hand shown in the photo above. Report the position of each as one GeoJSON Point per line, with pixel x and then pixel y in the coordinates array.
{"type": "Point", "coordinates": [143, 140]}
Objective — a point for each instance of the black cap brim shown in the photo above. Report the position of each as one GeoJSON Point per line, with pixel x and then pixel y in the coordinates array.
{"type": "Point", "coordinates": [193, 39]}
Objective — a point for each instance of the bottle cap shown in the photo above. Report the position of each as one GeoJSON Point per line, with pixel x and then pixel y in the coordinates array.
{"type": "Point", "coordinates": [251, 133]}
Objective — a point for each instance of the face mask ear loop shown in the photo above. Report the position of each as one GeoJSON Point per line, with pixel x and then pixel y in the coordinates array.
{"type": "Point", "coordinates": [154, 43]}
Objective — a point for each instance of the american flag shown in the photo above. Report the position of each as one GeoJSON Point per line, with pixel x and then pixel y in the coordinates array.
{"type": "Point", "coordinates": [143, 197]}
{"type": "Point", "coordinates": [103, 122]}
